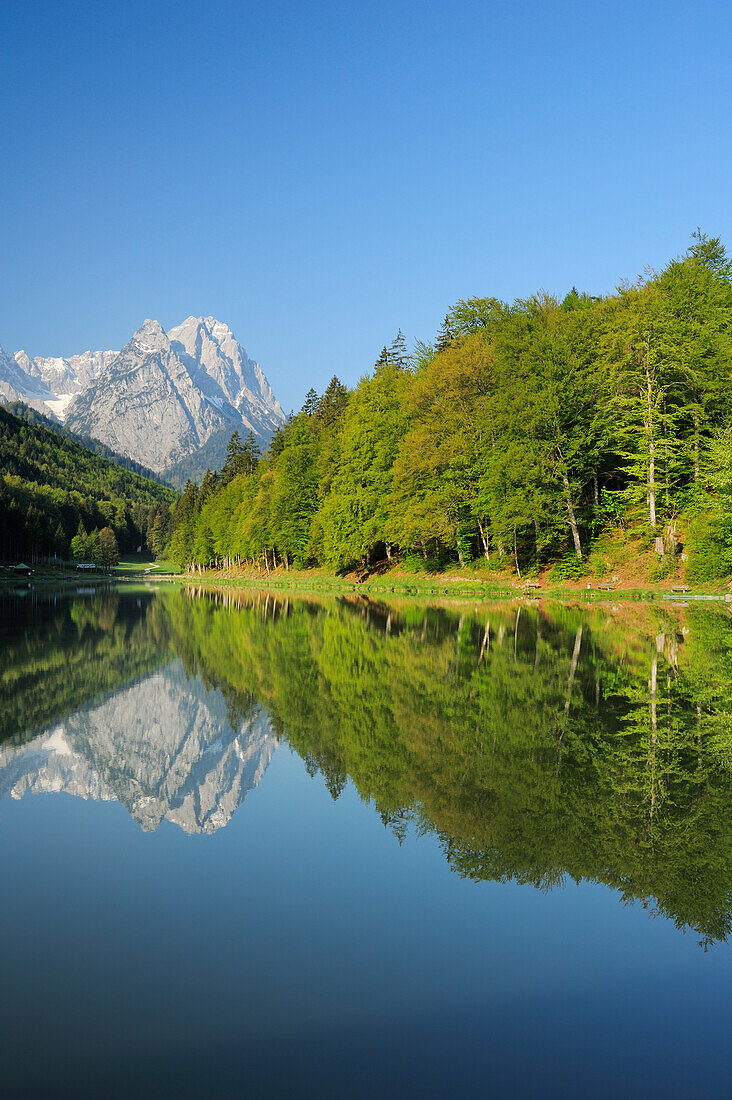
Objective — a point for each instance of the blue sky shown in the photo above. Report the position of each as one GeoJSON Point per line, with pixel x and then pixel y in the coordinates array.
{"type": "Point", "coordinates": [321, 174]}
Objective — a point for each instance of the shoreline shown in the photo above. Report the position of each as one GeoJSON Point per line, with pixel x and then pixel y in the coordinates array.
{"type": "Point", "coordinates": [449, 585]}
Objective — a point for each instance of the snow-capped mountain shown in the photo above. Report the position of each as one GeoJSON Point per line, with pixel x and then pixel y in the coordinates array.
{"type": "Point", "coordinates": [16, 384]}
{"type": "Point", "coordinates": [64, 378]}
{"type": "Point", "coordinates": [160, 399]}
{"type": "Point", "coordinates": [163, 747]}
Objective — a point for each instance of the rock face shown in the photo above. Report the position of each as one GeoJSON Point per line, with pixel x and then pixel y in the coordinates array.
{"type": "Point", "coordinates": [160, 399]}
{"type": "Point", "coordinates": [17, 384]}
{"type": "Point", "coordinates": [163, 747]}
{"type": "Point", "coordinates": [64, 378]}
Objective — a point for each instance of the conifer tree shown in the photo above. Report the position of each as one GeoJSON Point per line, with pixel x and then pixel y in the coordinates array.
{"type": "Point", "coordinates": [250, 454]}
{"type": "Point", "coordinates": [444, 335]}
{"type": "Point", "coordinates": [234, 462]}
{"type": "Point", "coordinates": [310, 405]}
{"type": "Point", "coordinates": [398, 354]}
{"type": "Point", "coordinates": [333, 402]}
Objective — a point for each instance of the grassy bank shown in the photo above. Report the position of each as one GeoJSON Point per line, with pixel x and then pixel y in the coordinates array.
{"type": "Point", "coordinates": [457, 584]}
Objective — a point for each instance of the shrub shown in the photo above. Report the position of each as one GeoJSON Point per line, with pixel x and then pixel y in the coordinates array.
{"type": "Point", "coordinates": [567, 569]}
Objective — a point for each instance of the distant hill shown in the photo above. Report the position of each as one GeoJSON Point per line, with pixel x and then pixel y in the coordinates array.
{"type": "Point", "coordinates": [50, 484]}
{"type": "Point", "coordinates": [27, 412]}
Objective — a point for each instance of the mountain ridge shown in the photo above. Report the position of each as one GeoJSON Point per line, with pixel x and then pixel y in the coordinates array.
{"type": "Point", "coordinates": [159, 399]}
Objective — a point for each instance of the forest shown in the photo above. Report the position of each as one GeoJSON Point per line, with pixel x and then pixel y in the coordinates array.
{"type": "Point", "coordinates": [57, 497]}
{"type": "Point", "coordinates": [524, 436]}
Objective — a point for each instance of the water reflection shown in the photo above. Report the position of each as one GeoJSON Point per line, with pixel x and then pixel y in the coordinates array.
{"type": "Point", "coordinates": [535, 742]}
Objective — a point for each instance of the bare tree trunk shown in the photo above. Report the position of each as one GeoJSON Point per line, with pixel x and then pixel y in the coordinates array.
{"type": "Point", "coordinates": [515, 553]}
{"type": "Point", "coordinates": [596, 485]}
{"type": "Point", "coordinates": [484, 540]}
{"type": "Point", "coordinates": [571, 515]}
{"type": "Point", "coordinates": [388, 550]}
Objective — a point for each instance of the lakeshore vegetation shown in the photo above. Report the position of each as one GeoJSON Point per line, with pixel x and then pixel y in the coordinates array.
{"type": "Point", "coordinates": [523, 436]}
{"type": "Point", "coordinates": [544, 433]}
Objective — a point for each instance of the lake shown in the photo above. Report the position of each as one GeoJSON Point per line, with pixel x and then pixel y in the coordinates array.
{"type": "Point", "coordinates": [254, 845]}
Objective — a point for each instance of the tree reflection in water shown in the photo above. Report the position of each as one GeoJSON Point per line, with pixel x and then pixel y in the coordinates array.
{"type": "Point", "coordinates": [537, 742]}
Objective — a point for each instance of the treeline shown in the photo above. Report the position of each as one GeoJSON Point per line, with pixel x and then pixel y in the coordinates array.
{"type": "Point", "coordinates": [517, 438]}
{"type": "Point", "coordinates": [54, 490]}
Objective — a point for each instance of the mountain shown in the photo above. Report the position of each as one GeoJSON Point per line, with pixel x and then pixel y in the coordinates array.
{"type": "Point", "coordinates": [164, 747]}
{"type": "Point", "coordinates": [64, 378]}
{"type": "Point", "coordinates": [16, 384]}
{"type": "Point", "coordinates": [157, 401]}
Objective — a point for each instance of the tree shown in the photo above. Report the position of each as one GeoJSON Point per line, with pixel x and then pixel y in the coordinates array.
{"type": "Point", "coordinates": [444, 335]}
{"type": "Point", "coordinates": [59, 540]}
{"type": "Point", "coordinates": [472, 315]}
{"type": "Point", "coordinates": [78, 543]}
{"type": "Point", "coordinates": [204, 551]}
{"type": "Point", "coordinates": [94, 547]}
{"type": "Point", "coordinates": [108, 549]}
{"type": "Point", "coordinates": [333, 403]}
{"type": "Point", "coordinates": [310, 405]}
{"type": "Point", "coordinates": [398, 354]}
{"type": "Point", "coordinates": [438, 467]}
{"type": "Point", "coordinates": [235, 459]}
{"type": "Point", "coordinates": [184, 525]}
{"type": "Point", "coordinates": [354, 515]}
{"type": "Point", "coordinates": [160, 533]}
{"type": "Point", "coordinates": [294, 492]}
{"type": "Point", "coordinates": [250, 455]}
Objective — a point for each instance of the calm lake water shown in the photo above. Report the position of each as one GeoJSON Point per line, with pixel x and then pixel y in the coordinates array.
{"type": "Point", "coordinates": [253, 846]}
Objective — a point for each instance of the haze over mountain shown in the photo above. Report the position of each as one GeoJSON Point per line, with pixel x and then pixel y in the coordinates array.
{"type": "Point", "coordinates": [160, 399]}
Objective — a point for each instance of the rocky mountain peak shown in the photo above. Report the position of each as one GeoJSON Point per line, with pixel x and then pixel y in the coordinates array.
{"type": "Point", "coordinates": [161, 400]}
{"type": "Point", "coordinates": [150, 337]}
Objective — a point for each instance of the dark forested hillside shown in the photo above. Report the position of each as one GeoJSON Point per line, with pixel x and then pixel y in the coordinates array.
{"type": "Point", "coordinates": [527, 434]}
{"type": "Point", "coordinates": [54, 492]}
{"type": "Point", "coordinates": [27, 412]}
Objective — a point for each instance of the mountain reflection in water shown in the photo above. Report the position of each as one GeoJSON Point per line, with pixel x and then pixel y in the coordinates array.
{"type": "Point", "coordinates": [536, 742]}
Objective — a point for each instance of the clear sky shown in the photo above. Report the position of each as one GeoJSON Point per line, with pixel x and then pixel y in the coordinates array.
{"type": "Point", "coordinates": [321, 174]}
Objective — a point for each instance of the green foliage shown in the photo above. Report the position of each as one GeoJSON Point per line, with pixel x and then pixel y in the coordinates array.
{"type": "Point", "coordinates": [567, 569]}
{"type": "Point", "coordinates": [53, 491]}
{"type": "Point", "coordinates": [523, 435]}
